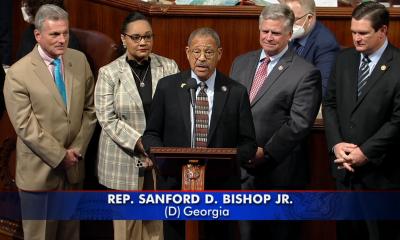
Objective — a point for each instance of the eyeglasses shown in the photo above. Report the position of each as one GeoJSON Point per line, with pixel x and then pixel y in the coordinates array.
{"type": "Point", "coordinates": [138, 38]}
{"type": "Point", "coordinates": [208, 53]}
{"type": "Point", "coordinates": [298, 18]}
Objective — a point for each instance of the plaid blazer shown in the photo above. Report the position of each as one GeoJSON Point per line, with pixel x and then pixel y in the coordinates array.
{"type": "Point", "coordinates": [120, 113]}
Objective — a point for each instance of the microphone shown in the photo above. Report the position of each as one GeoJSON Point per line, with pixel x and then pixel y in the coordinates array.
{"type": "Point", "coordinates": [192, 86]}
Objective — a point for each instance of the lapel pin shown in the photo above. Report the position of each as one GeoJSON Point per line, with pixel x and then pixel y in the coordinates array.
{"type": "Point", "coordinates": [183, 85]}
{"type": "Point", "coordinates": [224, 88]}
{"type": "Point", "coordinates": [383, 67]}
{"type": "Point", "coordinates": [280, 68]}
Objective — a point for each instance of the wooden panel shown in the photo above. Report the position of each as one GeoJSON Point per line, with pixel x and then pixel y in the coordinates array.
{"type": "Point", "coordinates": [238, 29]}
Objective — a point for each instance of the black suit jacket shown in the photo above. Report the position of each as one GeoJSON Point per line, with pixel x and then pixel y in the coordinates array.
{"type": "Point", "coordinates": [284, 111]}
{"type": "Point", "coordinates": [372, 121]}
{"type": "Point", "coordinates": [231, 123]}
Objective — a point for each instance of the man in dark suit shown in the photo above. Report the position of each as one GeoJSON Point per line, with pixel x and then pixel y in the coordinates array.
{"type": "Point", "coordinates": [284, 109]}
{"type": "Point", "coordinates": [362, 116]}
{"type": "Point", "coordinates": [229, 122]}
{"type": "Point", "coordinates": [312, 40]}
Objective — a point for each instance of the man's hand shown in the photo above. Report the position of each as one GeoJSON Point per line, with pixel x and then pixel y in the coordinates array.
{"type": "Point", "coordinates": [341, 151]}
{"type": "Point", "coordinates": [351, 159]}
{"type": "Point", "coordinates": [71, 158]}
{"type": "Point", "coordinates": [357, 158]}
{"type": "Point", "coordinates": [259, 158]}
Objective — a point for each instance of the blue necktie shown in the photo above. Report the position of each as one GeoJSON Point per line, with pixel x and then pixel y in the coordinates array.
{"type": "Point", "coordinates": [58, 77]}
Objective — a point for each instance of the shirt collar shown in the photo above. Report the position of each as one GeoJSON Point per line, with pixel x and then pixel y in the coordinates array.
{"type": "Point", "coordinates": [374, 57]}
{"type": "Point", "coordinates": [210, 81]}
{"type": "Point", "coordinates": [273, 58]}
{"type": "Point", "coordinates": [46, 58]}
{"type": "Point", "coordinates": [143, 65]}
{"type": "Point", "coordinates": [302, 41]}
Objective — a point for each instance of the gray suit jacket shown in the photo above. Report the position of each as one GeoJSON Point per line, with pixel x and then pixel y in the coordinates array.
{"type": "Point", "coordinates": [284, 111]}
{"type": "Point", "coordinates": [45, 127]}
{"type": "Point", "coordinates": [120, 113]}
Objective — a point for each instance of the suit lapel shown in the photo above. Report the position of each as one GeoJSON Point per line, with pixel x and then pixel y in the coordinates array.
{"type": "Point", "coordinates": [221, 90]}
{"type": "Point", "coordinates": [184, 102]}
{"type": "Point", "coordinates": [381, 67]}
{"type": "Point", "coordinates": [69, 80]}
{"type": "Point", "coordinates": [43, 74]}
{"type": "Point", "coordinates": [273, 76]}
{"type": "Point", "coordinates": [350, 86]}
{"type": "Point", "coordinates": [310, 41]}
{"type": "Point", "coordinates": [253, 59]}
{"type": "Point", "coordinates": [128, 82]}
{"type": "Point", "coordinates": [157, 72]}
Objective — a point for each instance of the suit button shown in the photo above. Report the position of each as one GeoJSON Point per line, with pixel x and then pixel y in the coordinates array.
{"type": "Point", "coordinates": [352, 125]}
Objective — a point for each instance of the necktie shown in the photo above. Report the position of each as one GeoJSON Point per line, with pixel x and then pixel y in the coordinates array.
{"type": "Point", "coordinates": [201, 115]}
{"type": "Point", "coordinates": [58, 77]}
{"type": "Point", "coordinates": [259, 78]}
{"type": "Point", "coordinates": [363, 74]}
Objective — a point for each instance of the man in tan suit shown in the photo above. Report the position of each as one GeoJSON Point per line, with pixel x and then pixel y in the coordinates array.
{"type": "Point", "coordinates": [49, 99]}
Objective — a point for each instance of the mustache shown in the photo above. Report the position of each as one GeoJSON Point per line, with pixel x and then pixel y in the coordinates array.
{"type": "Point", "coordinates": [201, 65]}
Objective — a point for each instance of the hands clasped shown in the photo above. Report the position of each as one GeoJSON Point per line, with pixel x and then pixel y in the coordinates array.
{"type": "Point", "coordinates": [72, 157]}
{"type": "Point", "coordinates": [348, 156]}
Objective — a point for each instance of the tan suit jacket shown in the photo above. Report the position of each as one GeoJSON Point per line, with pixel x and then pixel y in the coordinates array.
{"type": "Point", "coordinates": [44, 125]}
{"type": "Point", "coordinates": [120, 113]}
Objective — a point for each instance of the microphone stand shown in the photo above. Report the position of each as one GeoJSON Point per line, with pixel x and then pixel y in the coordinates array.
{"type": "Point", "coordinates": [192, 85]}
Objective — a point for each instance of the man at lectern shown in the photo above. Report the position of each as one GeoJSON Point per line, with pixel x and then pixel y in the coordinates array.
{"type": "Point", "coordinates": [222, 113]}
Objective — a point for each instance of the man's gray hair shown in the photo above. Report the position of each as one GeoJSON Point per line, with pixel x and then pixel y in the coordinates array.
{"type": "Point", "coordinates": [278, 12]}
{"type": "Point", "coordinates": [49, 12]}
{"type": "Point", "coordinates": [205, 32]}
{"type": "Point", "coordinates": [308, 6]}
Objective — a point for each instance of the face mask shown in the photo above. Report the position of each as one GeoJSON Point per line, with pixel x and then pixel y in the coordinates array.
{"type": "Point", "coordinates": [25, 15]}
{"type": "Point", "coordinates": [298, 31]}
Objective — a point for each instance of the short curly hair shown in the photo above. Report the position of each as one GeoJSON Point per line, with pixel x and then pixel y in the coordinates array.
{"type": "Point", "coordinates": [32, 6]}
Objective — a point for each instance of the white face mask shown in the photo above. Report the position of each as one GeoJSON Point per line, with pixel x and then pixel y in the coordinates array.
{"type": "Point", "coordinates": [25, 15]}
{"type": "Point", "coordinates": [299, 31]}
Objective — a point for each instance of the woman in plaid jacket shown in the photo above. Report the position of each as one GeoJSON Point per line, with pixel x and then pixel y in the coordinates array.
{"type": "Point", "coordinates": [123, 96]}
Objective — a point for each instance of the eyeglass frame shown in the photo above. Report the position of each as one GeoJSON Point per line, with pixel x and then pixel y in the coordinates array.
{"type": "Point", "coordinates": [203, 52]}
{"type": "Point", "coordinates": [297, 19]}
{"type": "Point", "coordinates": [146, 37]}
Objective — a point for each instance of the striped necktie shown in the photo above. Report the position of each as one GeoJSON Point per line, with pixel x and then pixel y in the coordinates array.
{"type": "Point", "coordinates": [363, 74]}
{"type": "Point", "coordinates": [259, 78]}
{"type": "Point", "coordinates": [58, 77]}
{"type": "Point", "coordinates": [201, 116]}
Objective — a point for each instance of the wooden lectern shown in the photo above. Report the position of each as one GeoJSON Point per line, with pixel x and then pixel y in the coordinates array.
{"type": "Point", "coordinates": [194, 164]}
